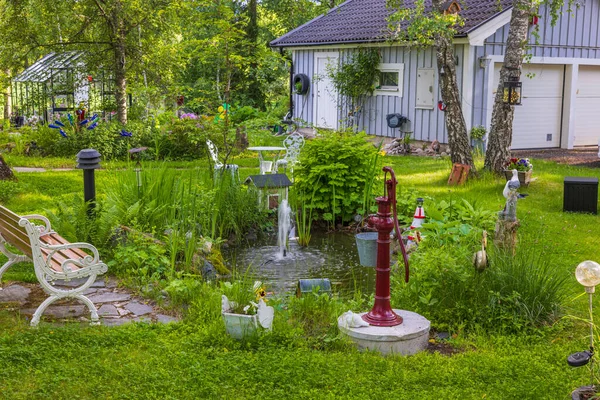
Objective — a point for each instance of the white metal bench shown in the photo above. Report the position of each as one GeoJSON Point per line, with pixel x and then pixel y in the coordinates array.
{"type": "Point", "coordinates": [53, 257]}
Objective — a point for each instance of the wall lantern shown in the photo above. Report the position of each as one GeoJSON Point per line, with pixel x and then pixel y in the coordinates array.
{"type": "Point", "coordinates": [484, 61]}
{"type": "Point", "coordinates": [512, 91]}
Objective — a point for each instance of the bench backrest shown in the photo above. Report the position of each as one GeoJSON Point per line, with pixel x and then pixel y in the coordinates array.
{"type": "Point", "coordinates": [14, 234]}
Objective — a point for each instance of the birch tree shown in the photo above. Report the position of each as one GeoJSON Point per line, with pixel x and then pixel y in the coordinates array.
{"type": "Point", "coordinates": [437, 28]}
{"type": "Point", "coordinates": [500, 137]}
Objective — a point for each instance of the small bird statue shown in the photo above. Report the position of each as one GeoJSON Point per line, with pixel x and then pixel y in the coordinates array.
{"type": "Point", "coordinates": [510, 193]}
{"type": "Point", "coordinates": [513, 185]}
{"type": "Point", "coordinates": [480, 260]}
{"type": "Point", "coordinates": [352, 320]}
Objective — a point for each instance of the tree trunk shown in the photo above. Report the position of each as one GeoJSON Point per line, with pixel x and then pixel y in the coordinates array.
{"type": "Point", "coordinates": [7, 102]}
{"type": "Point", "coordinates": [5, 171]}
{"type": "Point", "coordinates": [120, 69]}
{"type": "Point", "coordinates": [500, 138]}
{"type": "Point", "coordinates": [458, 140]}
{"type": "Point", "coordinates": [254, 88]}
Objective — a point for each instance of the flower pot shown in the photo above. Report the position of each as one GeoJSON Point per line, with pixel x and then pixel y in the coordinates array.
{"type": "Point", "coordinates": [240, 326]}
{"type": "Point", "coordinates": [478, 145]}
{"type": "Point", "coordinates": [524, 176]}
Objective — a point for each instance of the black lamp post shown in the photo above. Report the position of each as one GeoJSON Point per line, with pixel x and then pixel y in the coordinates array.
{"type": "Point", "coordinates": [89, 160]}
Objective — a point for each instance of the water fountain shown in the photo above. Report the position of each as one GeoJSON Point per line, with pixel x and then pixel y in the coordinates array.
{"type": "Point", "coordinates": [284, 222]}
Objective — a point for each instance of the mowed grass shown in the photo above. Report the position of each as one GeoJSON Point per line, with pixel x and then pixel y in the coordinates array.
{"type": "Point", "coordinates": [195, 359]}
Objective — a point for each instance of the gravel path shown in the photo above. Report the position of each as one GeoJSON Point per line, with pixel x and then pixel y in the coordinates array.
{"type": "Point", "coordinates": [587, 157]}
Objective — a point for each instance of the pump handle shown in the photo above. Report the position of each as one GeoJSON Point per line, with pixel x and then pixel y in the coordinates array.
{"type": "Point", "coordinates": [391, 193]}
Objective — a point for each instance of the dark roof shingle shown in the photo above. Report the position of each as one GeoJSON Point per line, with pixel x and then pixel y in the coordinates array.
{"type": "Point", "coordinates": [363, 21]}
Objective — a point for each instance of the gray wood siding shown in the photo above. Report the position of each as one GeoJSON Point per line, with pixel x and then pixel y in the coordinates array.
{"type": "Point", "coordinates": [575, 35]}
{"type": "Point", "coordinates": [426, 124]}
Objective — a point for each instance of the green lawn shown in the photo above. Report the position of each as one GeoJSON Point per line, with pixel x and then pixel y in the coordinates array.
{"type": "Point", "coordinates": [195, 359]}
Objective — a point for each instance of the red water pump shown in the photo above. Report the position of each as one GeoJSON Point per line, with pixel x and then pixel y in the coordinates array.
{"type": "Point", "coordinates": [384, 221]}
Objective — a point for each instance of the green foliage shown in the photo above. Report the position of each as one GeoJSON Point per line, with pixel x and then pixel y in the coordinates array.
{"type": "Point", "coordinates": [8, 190]}
{"type": "Point", "coordinates": [336, 166]}
{"type": "Point", "coordinates": [355, 78]}
{"type": "Point", "coordinates": [512, 295]}
{"type": "Point", "coordinates": [317, 315]}
{"type": "Point", "coordinates": [424, 25]}
{"type": "Point", "coordinates": [140, 260]}
{"type": "Point", "coordinates": [478, 132]}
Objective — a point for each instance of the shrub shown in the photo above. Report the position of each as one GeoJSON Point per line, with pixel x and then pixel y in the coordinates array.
{"type": "Point", "coordinates": [512, 295]}
{"type": "Point", "coordinates": [336, 166]}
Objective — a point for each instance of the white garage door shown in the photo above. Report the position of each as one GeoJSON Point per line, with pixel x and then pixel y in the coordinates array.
{"type": "Point", "coordinates": [537, 121]}
{"type": "Point", "coordinates": [587, 106]}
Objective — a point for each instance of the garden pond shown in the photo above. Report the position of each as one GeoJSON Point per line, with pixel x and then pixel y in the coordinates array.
{"type": "Point", "coordinates": [329, 255]}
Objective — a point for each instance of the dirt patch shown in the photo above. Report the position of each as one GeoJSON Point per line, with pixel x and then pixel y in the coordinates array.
{"type": "Point", "coordinates": [587, 157]}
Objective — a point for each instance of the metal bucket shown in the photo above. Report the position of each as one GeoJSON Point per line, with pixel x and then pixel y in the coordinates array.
{"type": "Point", "coordinates": [366, 243]}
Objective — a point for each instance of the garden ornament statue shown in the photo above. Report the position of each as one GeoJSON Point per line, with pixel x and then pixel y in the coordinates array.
{"type": "Point", "coordinates": [588, 274]}
{"type": "Point", "coordinates": [382, 314]}
{"type": "Point", "coordinates": [511, 196]}
{"type": "Point", "coordinates": [480, 260]}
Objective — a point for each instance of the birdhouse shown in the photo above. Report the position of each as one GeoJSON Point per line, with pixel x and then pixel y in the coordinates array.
{"type": "Point", "coordinates": [450, 7]}
{"type": "Point", "coordinates": [272, 188]}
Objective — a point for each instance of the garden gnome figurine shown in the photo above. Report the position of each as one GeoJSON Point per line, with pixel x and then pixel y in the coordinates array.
{"type": "Point", "coordinates": [415, 237]}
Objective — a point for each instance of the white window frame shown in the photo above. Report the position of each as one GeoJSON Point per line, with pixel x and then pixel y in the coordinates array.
{"type": "Point", "coordinates": [392, 67]}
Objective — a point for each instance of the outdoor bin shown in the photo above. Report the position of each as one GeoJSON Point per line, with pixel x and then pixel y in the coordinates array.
{"type": "Point", "coordinates": [580, 194]}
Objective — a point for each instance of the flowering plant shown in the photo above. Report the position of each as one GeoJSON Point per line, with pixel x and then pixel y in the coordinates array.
{"type": "Point", "coordinates": [520, 164]}
{"type": "Point", "coordinates": [238, 298]}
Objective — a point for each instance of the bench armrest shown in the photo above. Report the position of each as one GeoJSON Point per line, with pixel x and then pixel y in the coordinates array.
{"type": "Point", "coordinates": [43, 229]}
{"type": "Point", "coordinates": [87, 262]}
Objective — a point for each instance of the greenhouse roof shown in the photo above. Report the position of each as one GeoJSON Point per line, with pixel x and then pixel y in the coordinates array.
{"type": "Point", "coordinates": [41, 70]}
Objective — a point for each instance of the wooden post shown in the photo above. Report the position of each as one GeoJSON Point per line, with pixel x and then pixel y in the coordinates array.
{"type": "Point", "coordinates": [506, 234]}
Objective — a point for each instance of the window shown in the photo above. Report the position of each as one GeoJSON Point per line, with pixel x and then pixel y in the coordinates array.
{"type": "Point", "coordinates": [390, 79]}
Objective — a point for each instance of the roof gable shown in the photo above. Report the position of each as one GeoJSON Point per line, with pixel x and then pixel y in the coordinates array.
{"type": "Point", "coordinates": [365, 21]}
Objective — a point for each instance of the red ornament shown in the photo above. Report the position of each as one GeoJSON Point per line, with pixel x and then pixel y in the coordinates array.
{"type": "Point", "coordinates": [90, 78]}
{"type": "Point", "coordinates": [442, 106]}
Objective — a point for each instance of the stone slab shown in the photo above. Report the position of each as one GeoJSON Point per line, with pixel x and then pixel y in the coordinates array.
{"type": "Point", "coordinates": [108, 310]}
{"type": "Point", "coordinates": [14, 294]}
{"type": "Point", "coordinates": [59, 311]}
{"type": "Point", "coordinates": [115, 321]}
{"type": "Point", "coordinates": [109, 297]}
{"type": "Point", "coordinates": [165, 319]}
{"type": "Point", "coordinates": [138, 308]}
{"type": "Point", "coordinates": [410, 337]}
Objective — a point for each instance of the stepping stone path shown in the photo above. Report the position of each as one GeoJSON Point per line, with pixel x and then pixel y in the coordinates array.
{"type": "Point", "coordinates": [115, 305]}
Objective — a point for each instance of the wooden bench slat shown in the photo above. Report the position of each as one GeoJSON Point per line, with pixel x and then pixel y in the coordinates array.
{"type": "Point", "coordinates": [56, 239]}
{"type": "Point", "coordinates": [57, 259]}
{"type": "Point", "coordinates": [6, 214]}
{"type": "Point", "coordinates": [16, 237]}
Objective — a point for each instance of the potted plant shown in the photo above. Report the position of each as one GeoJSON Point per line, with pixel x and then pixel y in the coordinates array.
{"type": "Point", "coordinates": [523, 165]}
{"type": "Point", "coordinates": [244, 308]}
{"type": "Point", "coordinates": [477, 135]}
